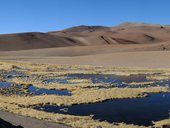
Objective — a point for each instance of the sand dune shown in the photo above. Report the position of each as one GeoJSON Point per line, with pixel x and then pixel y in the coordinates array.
{"type": "Point", "coordinates": [125, 45]}
{"type": "Point", "coordinates": [127, 33]}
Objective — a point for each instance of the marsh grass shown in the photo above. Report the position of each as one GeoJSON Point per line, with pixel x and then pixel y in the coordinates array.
{"type": "Point", "coordinates": [164, 76]}
{"type": "Point", "coordinates": [141, 83]}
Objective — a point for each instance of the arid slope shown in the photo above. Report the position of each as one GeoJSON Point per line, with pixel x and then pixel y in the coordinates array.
{"type": "Point", "coordinates": [127, 33]}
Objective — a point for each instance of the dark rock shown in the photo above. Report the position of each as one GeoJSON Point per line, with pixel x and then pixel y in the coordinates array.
{"type": "Point", "coordinates": [5, 124]}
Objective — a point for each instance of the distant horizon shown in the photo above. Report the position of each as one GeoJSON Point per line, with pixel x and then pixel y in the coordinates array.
{"type": "Point", "coordinates": [19, 16]}
{"type": "Point", "coordinates": [86, 25]}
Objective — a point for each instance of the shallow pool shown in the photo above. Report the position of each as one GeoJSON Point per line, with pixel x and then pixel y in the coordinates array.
{"type": "Point", "coordinates": [40, 91]}
{"type": "Point", "coordinates": [8, 88]}
{"type": "Point", "coordinates": [139, 111]}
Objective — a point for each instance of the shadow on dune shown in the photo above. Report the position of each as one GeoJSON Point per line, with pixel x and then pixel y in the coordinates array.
{"type": "Point", "coordinates": [4, 124]}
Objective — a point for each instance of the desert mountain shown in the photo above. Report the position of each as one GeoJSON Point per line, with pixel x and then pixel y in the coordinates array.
{"type": "Point", "coordinates": [126, 33]}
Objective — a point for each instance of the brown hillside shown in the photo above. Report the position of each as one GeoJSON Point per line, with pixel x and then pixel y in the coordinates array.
{"type": "Point", "coordinates": [127, 33]}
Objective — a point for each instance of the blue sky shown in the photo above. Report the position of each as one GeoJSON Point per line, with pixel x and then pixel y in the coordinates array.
{"type": "Point", "coordinates": [50, 15]}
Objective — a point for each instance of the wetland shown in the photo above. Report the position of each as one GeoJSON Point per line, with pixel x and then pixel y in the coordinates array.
{"type": "Point", "coordinates": [86, 96]}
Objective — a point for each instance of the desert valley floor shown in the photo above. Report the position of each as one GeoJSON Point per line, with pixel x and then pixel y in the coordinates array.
{"type": "Point", "coordinates": [86, 77]}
